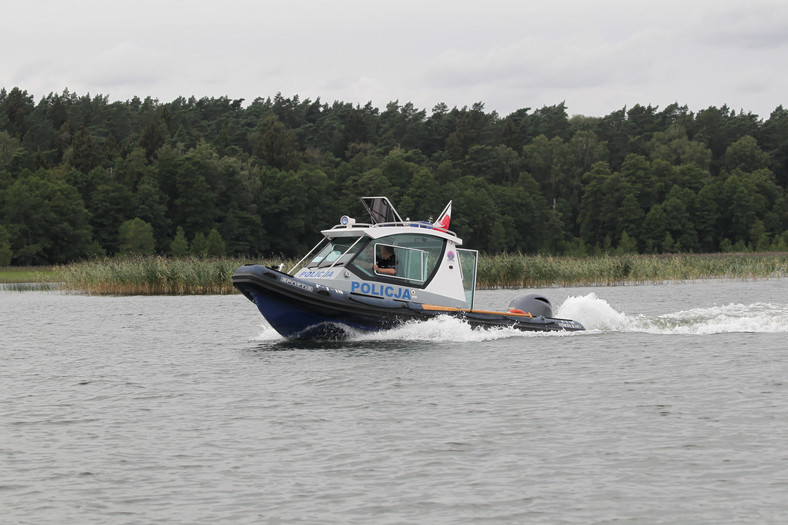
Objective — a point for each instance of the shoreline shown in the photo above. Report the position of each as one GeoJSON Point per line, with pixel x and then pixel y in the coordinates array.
{"type": "Point", "coordinates": [158, 275]}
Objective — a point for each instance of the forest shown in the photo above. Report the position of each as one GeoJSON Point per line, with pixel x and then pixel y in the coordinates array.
{"type": "Point", "coordinates": [82, 176]}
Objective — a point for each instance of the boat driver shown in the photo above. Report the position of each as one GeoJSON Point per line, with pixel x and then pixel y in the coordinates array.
{"type": "Point", "coordinates": [386, 262]}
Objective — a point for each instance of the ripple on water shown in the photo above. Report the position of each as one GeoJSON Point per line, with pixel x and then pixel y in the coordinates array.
{"type": "Point", "coordinates": [128, 410]}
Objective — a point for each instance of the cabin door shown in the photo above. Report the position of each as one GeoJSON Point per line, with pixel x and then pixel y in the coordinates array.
{"type": "Point", "coordinates": [468, 264]}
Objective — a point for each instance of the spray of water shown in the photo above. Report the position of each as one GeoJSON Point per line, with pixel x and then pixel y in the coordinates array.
{"type": "Point", "coordinates": [597, 316]}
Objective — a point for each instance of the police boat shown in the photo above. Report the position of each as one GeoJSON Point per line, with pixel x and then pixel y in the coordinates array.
{"type": "Point", "coordinates": [378, 275]}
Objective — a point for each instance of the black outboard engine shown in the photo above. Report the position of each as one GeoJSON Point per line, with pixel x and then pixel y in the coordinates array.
{"type": "Point", "coordinates": [533, 304]}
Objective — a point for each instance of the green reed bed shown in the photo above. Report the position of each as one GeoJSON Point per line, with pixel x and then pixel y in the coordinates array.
{"type": "Point", "coordinates": [27, 274]}
{"type": "Point", "coordinates": [526, 271]}
{"type": "Point", "coordinates": [150, 276]}
{"type": "Point", "coordinates": [27, 278]}
{"type": "Point", "coordinates": [194, 276]}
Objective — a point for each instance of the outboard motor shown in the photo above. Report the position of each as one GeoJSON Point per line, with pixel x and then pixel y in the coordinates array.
{"type": "Point", "coordinates": [533, 304]}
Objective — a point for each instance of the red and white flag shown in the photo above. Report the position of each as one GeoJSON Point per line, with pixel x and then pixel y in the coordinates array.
{"type": "Point", "coordinates": [444, 219]}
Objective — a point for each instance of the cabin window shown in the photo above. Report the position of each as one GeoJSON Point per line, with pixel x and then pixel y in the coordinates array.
{"type": "Point", "coordinates": [411, 258]}
{"type": "Point", "coordinates": [401, 263]}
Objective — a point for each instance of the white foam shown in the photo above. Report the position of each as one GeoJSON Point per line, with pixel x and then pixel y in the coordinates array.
{"type": "Point", "coordinates": [441, 328]}
{"type": "Point", "coordinates": [593, 313]}
{"type": "Point", "coordinates": [267, 333]}
{"type": "Point", "coordinates": [596, 315]}
{"type": "Point", "coordinates": [757, 317]}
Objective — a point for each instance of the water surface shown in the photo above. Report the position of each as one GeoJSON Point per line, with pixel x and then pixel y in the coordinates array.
{"type": "Point", "coordinates": [672, 407]}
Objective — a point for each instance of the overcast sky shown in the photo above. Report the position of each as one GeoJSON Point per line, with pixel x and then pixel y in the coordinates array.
{"type": "Point", "coordinates": [597, 56]}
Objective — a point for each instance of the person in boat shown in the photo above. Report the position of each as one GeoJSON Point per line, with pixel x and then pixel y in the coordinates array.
{"type": "Point", "coordinates": [386, 263]}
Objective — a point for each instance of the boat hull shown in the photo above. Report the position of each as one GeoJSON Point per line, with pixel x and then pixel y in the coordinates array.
{"type": "Point", "coordinates": [297, 309]}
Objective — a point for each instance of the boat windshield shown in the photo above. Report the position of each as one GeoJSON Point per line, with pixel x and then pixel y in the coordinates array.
{"type": "Point", "coordinates": [336, 253]}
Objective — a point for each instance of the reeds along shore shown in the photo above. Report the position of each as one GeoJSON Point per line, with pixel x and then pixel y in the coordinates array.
{"type": "Point", "coordinates": [196, 276]}
{"type": "Point", "coordinates": [521, 271]}
{"type": "Point", "coordinates": [150, 276]}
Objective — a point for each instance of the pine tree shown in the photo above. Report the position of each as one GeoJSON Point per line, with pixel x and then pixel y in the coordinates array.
{"type": "Point", "coordinates": [136, 237]}
{"type": "Point", "coordinates": [199, 245]}
{"type": "Point", "coordinates": [215, 244]}
{"type": "Point", "coordinates": [179, 247]}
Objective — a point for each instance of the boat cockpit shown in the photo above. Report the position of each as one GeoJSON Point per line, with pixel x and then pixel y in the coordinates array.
{"type": "Point", "coordinates": [416, 251]}
{"type": "Point", "coordinates": [414, 257]}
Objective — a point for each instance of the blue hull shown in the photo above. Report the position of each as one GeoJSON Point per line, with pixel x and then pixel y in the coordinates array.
{"type": "Point", "coordinates": [293, 321]}
{"type": "Point", "coordinates": [301, 309]}
{"type": "Point", "coordinates": [304, 310]}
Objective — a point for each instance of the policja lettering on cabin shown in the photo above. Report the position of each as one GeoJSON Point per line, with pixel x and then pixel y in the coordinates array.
{"type": "Point", "coordinates": [382, 290]}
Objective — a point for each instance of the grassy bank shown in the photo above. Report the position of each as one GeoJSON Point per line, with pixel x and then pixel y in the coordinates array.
{"type": "Point", "coordinates": [193, 276]}
{"type": "Point", "coordinates": [150, 276]}
{"type": "Point", "coordinates": [522, 271]}
{"type": "Point", "coordinates": [27, 274]}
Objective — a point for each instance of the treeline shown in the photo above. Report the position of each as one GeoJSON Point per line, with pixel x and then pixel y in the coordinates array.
{"type": "Point", "coordinates": [81, 176]}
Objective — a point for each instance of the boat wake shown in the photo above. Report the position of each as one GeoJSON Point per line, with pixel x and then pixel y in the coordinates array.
{"type": "Point", "coordinates": [441, 328]}
{"type": "Point", "coordinates": [598, 316]}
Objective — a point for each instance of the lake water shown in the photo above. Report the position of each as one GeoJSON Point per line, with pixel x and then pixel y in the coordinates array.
{"type": "Point", "coordinates": [671, 408]}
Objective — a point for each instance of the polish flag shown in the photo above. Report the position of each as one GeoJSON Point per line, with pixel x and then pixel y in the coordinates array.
{"type": "Point", "coordinates": [444, 219]}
